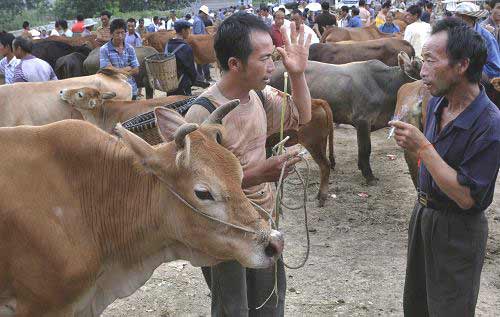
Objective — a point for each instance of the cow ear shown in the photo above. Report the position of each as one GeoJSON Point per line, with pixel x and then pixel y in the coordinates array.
{"type": "Point", "coordinates": [108, 95]}
{"type": "Point", "coordinates": [168, 121]}
{"type": "Point", "coordinates": [144, 153]}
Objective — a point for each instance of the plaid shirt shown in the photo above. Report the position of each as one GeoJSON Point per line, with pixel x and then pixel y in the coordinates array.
{"type": "Point", "coordinates": [8, 68]}
{"type": "Point", "coordinates": [110, 56]}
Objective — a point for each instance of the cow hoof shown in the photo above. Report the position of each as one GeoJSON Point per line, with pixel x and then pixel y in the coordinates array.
{"type": "Point", "coordinates": [321, 200]}
{"type": "Point", "coordinates": [372, 181]}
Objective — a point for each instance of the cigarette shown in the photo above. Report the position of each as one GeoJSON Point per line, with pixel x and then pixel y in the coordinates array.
{"type": "Point", "coordinates": [391, 132]}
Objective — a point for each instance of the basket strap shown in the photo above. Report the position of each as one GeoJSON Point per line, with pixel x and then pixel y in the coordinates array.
{"type": "Point", "coordinates": [176, 49]}
{"type": "Point", "coordinates": [205, 103]}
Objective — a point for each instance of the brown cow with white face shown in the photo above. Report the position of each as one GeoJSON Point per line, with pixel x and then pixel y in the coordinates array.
{"type": "Point", "coordinates": [86, 217]}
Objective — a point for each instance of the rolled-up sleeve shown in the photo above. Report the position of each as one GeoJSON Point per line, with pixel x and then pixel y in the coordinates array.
{"type": "Point", "coordinates": [273, 102]}
{"type": "Point", "coordinates": [479, 170]}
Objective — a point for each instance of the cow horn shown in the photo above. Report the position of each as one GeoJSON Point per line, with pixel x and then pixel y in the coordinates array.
{"type": "Point", "coordinates": [219, 113]}
{"type": "Point", "coordinates": [182, 131]}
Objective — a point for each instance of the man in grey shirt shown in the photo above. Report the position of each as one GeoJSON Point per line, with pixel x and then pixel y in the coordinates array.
{"type": "Point", "coordinates": [30, 69]}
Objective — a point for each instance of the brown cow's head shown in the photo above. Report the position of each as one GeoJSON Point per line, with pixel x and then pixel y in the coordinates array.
{"type": "Point", "coordinates": [410, 66]}
{"type": "Point", "coordinates": [208, 177]}
{"type": "Point", "coordinates": [87, 101]}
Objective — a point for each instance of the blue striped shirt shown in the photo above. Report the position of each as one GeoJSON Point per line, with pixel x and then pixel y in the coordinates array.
{"type": "Point", "coordinates": [108, 55]}
{"type": "Point", "coordinates": [8, 68]}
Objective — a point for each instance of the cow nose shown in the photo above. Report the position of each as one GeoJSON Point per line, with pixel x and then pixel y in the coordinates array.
{"type": "Point", "coordinates": [276, 244]}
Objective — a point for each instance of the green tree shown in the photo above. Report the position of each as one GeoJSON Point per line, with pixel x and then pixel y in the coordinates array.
{"type": "Point", "coordinates": [8, 10]}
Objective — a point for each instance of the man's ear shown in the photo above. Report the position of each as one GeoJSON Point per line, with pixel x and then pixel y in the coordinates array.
{"type": "Point", "coordinates": [234, 64]}
{"type": "Point", "coordinates": [168, 121]}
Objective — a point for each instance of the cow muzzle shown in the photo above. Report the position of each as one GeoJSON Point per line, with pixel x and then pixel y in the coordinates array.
{"type": "Point", "coordinates": [275, 245]}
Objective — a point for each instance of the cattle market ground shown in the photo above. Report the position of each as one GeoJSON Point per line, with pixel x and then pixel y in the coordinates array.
{"type": "Point", "coordinates": [358, 248]}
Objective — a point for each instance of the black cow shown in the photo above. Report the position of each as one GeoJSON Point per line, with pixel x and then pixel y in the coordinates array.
{"type": "Point", "coordinates": [362, 94]}
{"type": "Point", "coordinates": [70, 66]}
{"type": "Point", "coordinates": [50, 51]}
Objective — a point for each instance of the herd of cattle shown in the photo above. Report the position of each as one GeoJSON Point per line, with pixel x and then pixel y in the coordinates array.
{"type": "Point", "coordinates": [108, 206]}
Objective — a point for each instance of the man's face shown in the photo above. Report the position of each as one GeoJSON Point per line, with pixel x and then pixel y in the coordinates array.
{"type": "Point", "coordinates": [467, 19]}
{"type": "Point", "coordinates": [18, 52]}
{"type": "Point", "coordinates": [104, 20]}
{"type": "Point", "coordinates": [437, 73]}
{"type": "Point", "coordinates": [385, 10]}
{"type": "Point", "coordinates": [264, 13]}
{"type": "Point", "coordinates": [141, 23]}
{"type": "Point", "coordinates": [131, 27]}
{"type": "Point", "coordinates": [343, 14]}
{"type": "Point", "coordinates": [172, 16]}
{"type": "Point", "coordinates": [389, 19]}
{"type": "Point", "coordinates": [185, 33]}
{"type": "Point", "coordinates": [410, 18]}
{"type": "Point", "coordinates": [279, 19]}
{"type": "Point", "coordinates": [495, 13]}
{"type": "Point", "coordinates": [297, 18]}
{"type": "Point", "coordinates": [257, 72]}
{"type": "Point", "coordinates": [156, 21]}
{"type": "Point", "coordinates": [4, 50]}
{"type": "Point", "coordinates": [118, 36]}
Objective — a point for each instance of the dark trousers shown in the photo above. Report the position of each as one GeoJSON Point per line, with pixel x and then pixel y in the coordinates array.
{"type": "Point", "coordinates": [446, 252]}
{"type": "Point", "coordinates": [203, 72]}
{"type": "Point", "coordinates": [238, 291]}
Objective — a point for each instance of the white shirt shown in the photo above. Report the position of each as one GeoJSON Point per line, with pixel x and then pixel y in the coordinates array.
{"type": "Point", "coordinates": [417, 34]}
{"type": "Point", "coordinates": [7, 68]}
{"type": "Point", "coordinates": [54, 32]}
{"type": "Point", "coordinates": [170, 24]}
{"type": "Point", "coordinates": [307, 31]}
{"type": "Point", "coordinates": [68, 33]}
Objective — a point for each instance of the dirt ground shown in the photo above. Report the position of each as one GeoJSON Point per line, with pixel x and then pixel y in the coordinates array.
{"type": "Point", "coordinates": [358, 247]}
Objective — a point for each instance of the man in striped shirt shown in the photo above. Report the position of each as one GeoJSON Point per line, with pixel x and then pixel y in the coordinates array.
{"type": "Point", "coordinates": [9, 62]}
{"type": "Point", "coordinates": [30, 69]}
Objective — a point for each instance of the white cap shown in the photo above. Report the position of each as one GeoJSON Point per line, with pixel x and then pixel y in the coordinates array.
{"type": "Point", "coordinates": [204, 9]}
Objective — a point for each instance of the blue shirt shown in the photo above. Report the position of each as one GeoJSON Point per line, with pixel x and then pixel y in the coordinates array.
{"type": "Point", "coordinates": [470, 144]}
{"type": "Point", "coordinates": [355, 22]}
{"type": "Point", "coordinates": [389, 28]}
{"type": "Point", "coordinates": [198, 26]}
{"type": "Point", "coordinates": [108, 55]}
{"type": "Point", "coordinates": [133, 40]}
{"type": "Point", "coordinates": [185, 63]}
{"type": "Point", "coordinates": [492, 66]}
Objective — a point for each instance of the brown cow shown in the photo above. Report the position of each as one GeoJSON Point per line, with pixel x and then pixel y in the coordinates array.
{"type": "Point", "coordinates": [338, 34]}
{"type": "Point", "coordinates": [96, 107]}
{"type": "Point", "coordinates": [314, 137]}
{"type": "Point", "coordinates": [90, 40]}
{"type": "Point", "coordinates": [385, 50]}
{"type": "Point", "coordinates": [85, 217]}
{"type": "Point", "coordinates": [414, 97]}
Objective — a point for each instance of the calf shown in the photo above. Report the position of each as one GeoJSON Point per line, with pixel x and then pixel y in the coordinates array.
{"type": "Point", "coordinates": [50, 51]}
{"type": "Point", "coordinates": [99, 109]}
{"type": "Point", "coordinates": [70, 66]}
{"type": "Point", "coordinates": [338, 34]}
{"type": "Point", "coordinates": [85, 217]}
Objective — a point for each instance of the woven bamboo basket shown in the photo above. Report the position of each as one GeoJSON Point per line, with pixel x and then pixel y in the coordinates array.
{"type": "Point", "coordinates": [162, 72]}
{"type": "Point", "coordinates": [144, 125]}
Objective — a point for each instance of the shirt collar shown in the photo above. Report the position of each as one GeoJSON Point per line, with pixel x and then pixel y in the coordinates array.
{"type": "Point", "coordinates": [111, 46]}
{"type": "Point", "coordinates": [465, 119]}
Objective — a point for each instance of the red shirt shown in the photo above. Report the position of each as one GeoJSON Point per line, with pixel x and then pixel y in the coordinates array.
{"type": "Point", "coordinates": [77, 27]}
{"type": "Point", "coordinates": [277, 36]}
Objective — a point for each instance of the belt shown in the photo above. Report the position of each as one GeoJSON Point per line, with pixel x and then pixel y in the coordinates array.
{"type": "Point", "coordinates": [428, 202]}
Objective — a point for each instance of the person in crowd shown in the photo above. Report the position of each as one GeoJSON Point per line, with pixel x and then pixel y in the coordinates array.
{"type": "Point", "coordinates": [189, 18]}
{"type": "Point", "coordinates": [199, 28]}
{"type": "Point", "coordinates": [120, 56]}
{"type": "Point", "coordinates": [132, 38]}
{"type": "Point", "coordinates": [296, 17]}
{"type": "Point", "coordinates": [9, 61]}
{"type": "Point", "coordinates": [418, 31]}
{"type": "Point", "coordinates": [492, 22]}
{"type": "Point", "coordinates": [26, 33]}
{"type": "Point", "coordinates": [88, 27]}
{"type": "Point", "coordinates": [221, 15]}
{"type": "Point", "coordinates": [243, 48]}
{"type": "Point", "coordinates": [355, 21]}
{"type": "Point", "coordinates": [265, 16]}
{"type": "Point", "coordinates": [325, 18]}
{"type": "Point", "coordinates": [469, 13]}
{"type": "Point", "coordinates": [43, 33]}
{"type": "Point", "coordinates": [389, 26]}
{"type": "Point", "coordinates": [427, 15]}
{"type": "Point", "coordinates": [65, 30]}
{"type": "Point", "coordinates": [78, 26]}
{"type": "Point", "coordinates": [207, 19]}
{"type": "Point", "coordinates": [141, 29]}
{"type": "Point", "coordinates": [155, 25]}
{"type": "Point", "coordinates": [364, 14]}
{"type": "Point", "coordinates": [171, 21]}
{"type": "Point", "coordinates": [344, 16]}
{"type": "Point", "coordinates": [30, 68]}
{"type": "Point", "coordinates": [459, 154]}
{"type": "Point", "coordinates": [371, 10]}
{"type": "Point", "coordinates": [57, 30]}
{"type": "Point", "coordinates": [163, 24]}
{"type": "Point", "coordinates": [103, 32]}
{"type": "Point", "coordinates": [381, 16]}
{"type": "Point", "coordinates": [186, 72]}
{"type": "Point", "coordinates": [276, 35]}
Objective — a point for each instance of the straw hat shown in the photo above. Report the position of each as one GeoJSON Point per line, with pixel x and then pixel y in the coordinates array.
{"type": "Point", "coordinates": [88, 22]}
{"type": "Point", "coordinates": [204, 9]}
{"type": "Point", "coordinates": [469, 9]}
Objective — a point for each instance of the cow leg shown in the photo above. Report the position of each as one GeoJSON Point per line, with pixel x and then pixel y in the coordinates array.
{"type": "Point", "coordinates": [412, 162]}
{"type": "Point", "coordinates": [363, 130]}
{"type": "Point", "coordinates": [149, 93]}
{"type": "Point", "coordinates": [317, 148]}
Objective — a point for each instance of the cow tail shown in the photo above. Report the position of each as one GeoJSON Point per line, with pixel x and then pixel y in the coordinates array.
{"type": "Point", "coordinates": [329, 118]}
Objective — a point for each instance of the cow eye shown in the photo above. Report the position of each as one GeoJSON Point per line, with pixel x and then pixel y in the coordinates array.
{"type": "Point", "coordinates": [218, 137]}
{"type": "Point", "coordinates": [203, 194]}
{"type": "Point", "coordinates": [80, 94]}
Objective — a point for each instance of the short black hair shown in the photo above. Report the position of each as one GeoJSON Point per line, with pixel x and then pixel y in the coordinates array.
{"type": "Point", "coordinates": [282, 9]}
{"type": "Point", "coordinates": [117, 24]}
{"type": "Point", "coordinates": [26, 24]}
{"type": "Point", "coordinates": [155, 17]}
{"type": "Point", "coordinates": [325, 5]}
{"type": "Point", "coordinates": [141, 20]}
{"type": "Point", "coordinates": [344, 9]}
{"type": "Point", "coordinates": [63, 24]}
{"type": "Point", "coordinates": [415, 10]}
{"type": "Point", "coordinates": [25, 44]}
{"type": "Point", "coordinates": [463, 42]}
{"type": "Point", "coordinates": [493, 3]}
{"type": "Point", "coordinates": [6, 40]}
{"type": "Point", "coordinates": [106, 13]}
{"type": "Point", "coordinates": [79, 17]}
{"type": "Point", "coordinates": [233, 37]}
{"type": "Point", "coordinates": [131, 20]}
{"type": "Point", "coordinates": [386, 4]}
{"type": "Point", "coordinates": [355, 11]}
{"type": "Point", "coordinates": [430, 5]}
{"type": "Point", "coordinates": [296, 11]}
{"type": "Point", "coordinates": [188, 16]}
{"type": "Point", "coordinates": [362, 3]}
